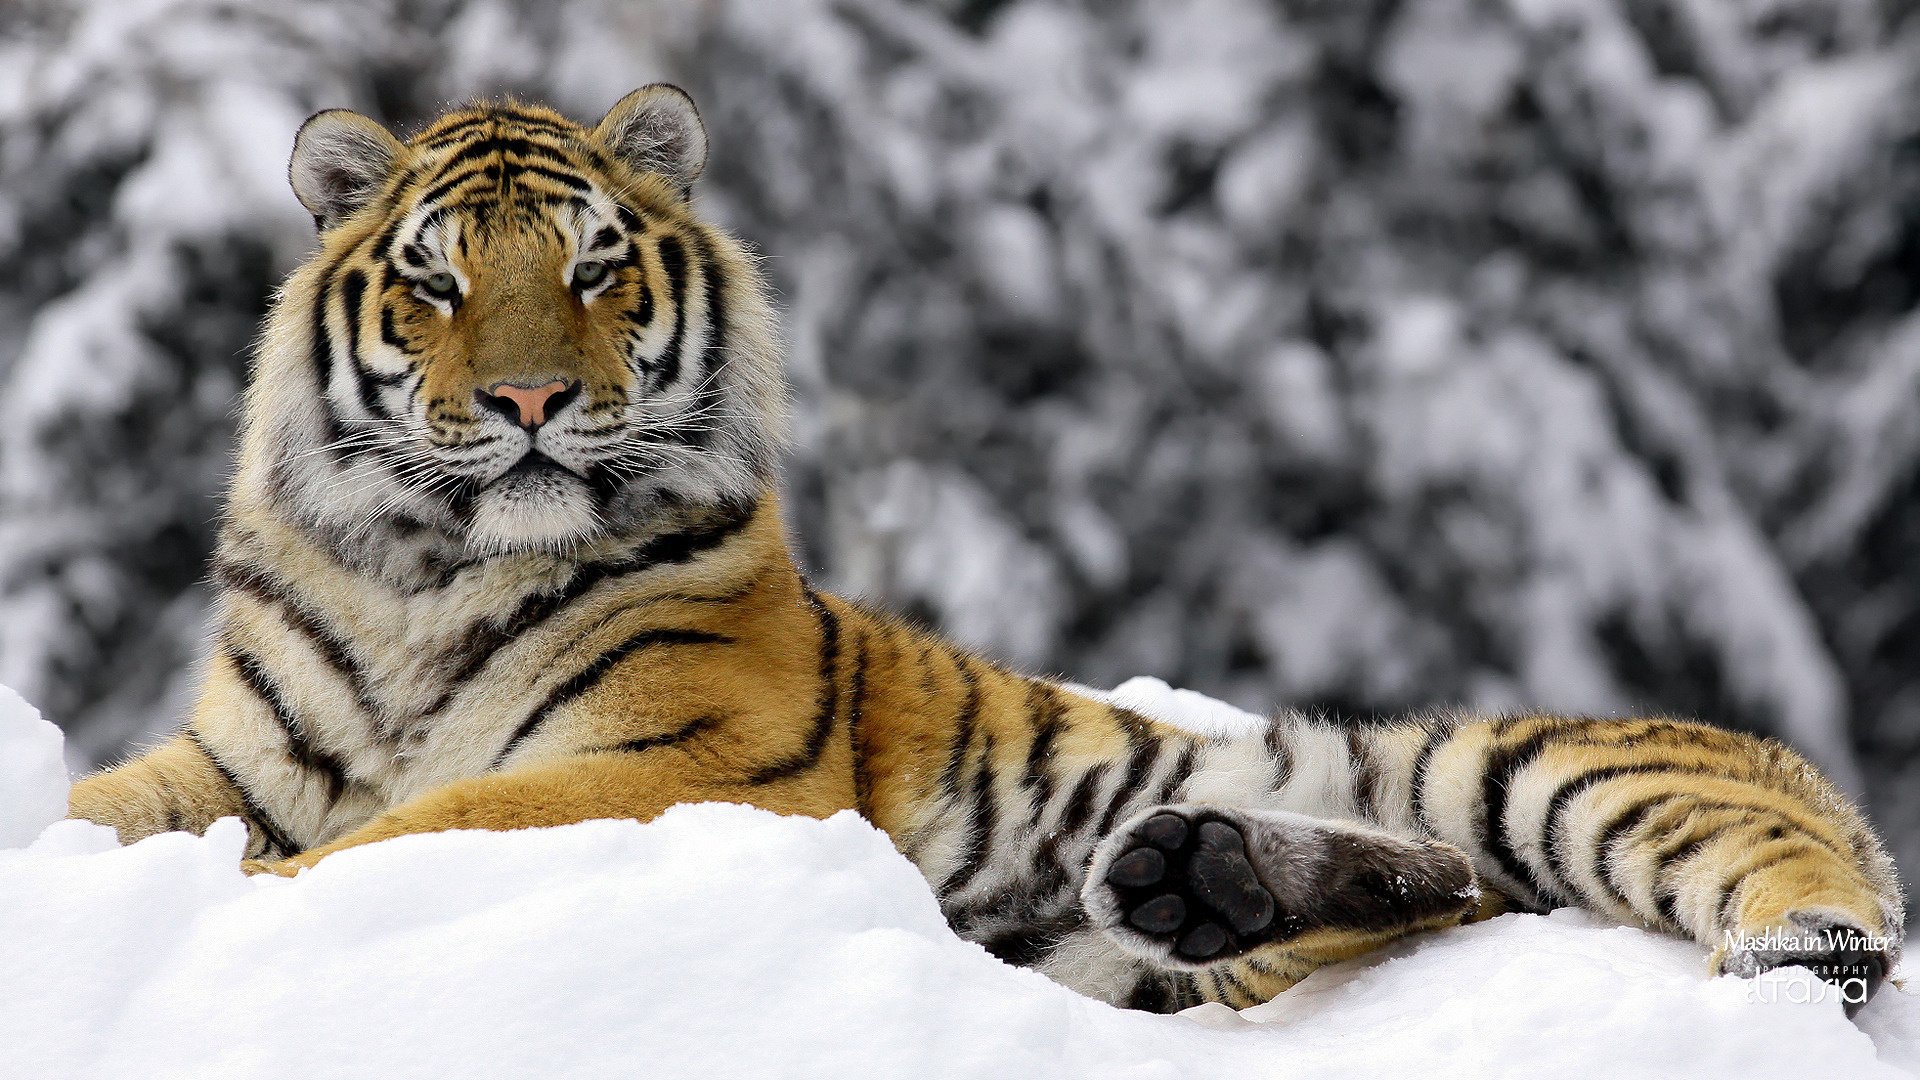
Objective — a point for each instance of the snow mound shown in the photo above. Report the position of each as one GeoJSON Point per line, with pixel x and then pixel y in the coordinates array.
{"type": "Point", "coordinates": [724, 941]}
{"type": "Point", "coordinates": [33, 773]}
{"type": "Point", "coordinates": [1194, 712]}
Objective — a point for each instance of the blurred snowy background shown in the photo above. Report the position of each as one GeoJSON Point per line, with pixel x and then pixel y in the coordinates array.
{"type": "Point", "coordinates": [1358, 354]}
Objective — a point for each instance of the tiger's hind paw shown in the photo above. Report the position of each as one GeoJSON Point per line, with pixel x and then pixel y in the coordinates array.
{"type": "Point", "coordinates": [1190, 885]}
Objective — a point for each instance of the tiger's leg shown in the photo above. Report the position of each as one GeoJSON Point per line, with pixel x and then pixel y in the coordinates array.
{"type": "Point", "coordinates": [1254, 900]}
{"type": "Point", "coordinates": [1733, 841]}
{"type": "Point", "coordinates": [177, 786]}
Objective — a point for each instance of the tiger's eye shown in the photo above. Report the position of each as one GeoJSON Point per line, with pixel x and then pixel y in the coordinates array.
{"type": "Point", "coordinates": [441, 285]}
{"type": "Point", "coordinates": [589, 274]}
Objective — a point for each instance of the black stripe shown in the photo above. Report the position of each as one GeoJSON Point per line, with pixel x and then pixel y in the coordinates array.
{"type": "Point", "coordinates": [566, 180]}
{"type": "Point", "coordinates": [1146, 750]}
{"type": "Point", "coordinates": [1281, 751]}
{"type": "Point", "coordinates": [1265, 967]}
{"type": "Point", "coordinates": [353, 292]}
{"type": "Point", "coordinates": [1046, 857]}
{"type": "Point", "coordinates": [498, 115]}
{"type": "Point", "coordinates": [274, 841]}
{"type": "Point", "coordinates": [526, 202]}
{"type": "Point", "coordinates": [1241, 996]}
{"type": "Point", "coordinates": [451, 183]}
{"type": "Point", "coordinates": [434, 219]}
{"type": "Point", "coordinates": [1178, 775]}
{"type": "Point", "coordinates": [526, 149]}
{"type": "Point", "coordinates": [1045, 713]}
{"type": "Point", "coordinates": [642, 313]}
{"type": "Point", "coordinates": [1660, 730]}
{"type": "Point", "coordinates": [1137, 728]}
{"type": "Point", "coordinates": [1366, 775]}
{"type": "Point", "coordinates": [1606, 854]}
{"type": "Point", "coordinates": [382, 248]}
{"type": "Point", "coordinates": [826, 706]}
{"type": "Point", "coordinates": [1149, 994]}
{"type": "Point", "coordinates": [981, 814]}
{"type": "Point", "coordinates": [1629, 818]}
{"type": "Point", "coordinates": [1080, 801]}
{"type": "Point", "coordinates": [856, 713]}
{"type": "Point", "coordinates": [1422, 764]}
{"type": "Point", "coordinates": [1046, 916]}
{"type": "Point", "coordinates": [486, 638]}
{"type": "Point", "coordinates": [1022, 946]}
{"type": "Point", "coordinates": [1667, 901]}
{"type": "Point", "coordinates": [713, 345]}
{"type": "Point", "coordinates": [262, 585]}
{"type": "Point", "coordinates": [1496, 785]}
{"type": "Point", "coordinates": [730, 596]}
{"type": "Point", "coordinates": [1572, 788]}
{"type": "Point", "coordinates": [320, 349]}
{"type": "Point", "coordinates": [693, 728]}
{"type": "Point", "coordinates": [390, 333]}
{"type": "Point", "coordinates": [607, 236]}
{"type": "Point", "coordinates": [1185, 992]}
{"type": "Point", "coordinates": [673, 263]}
{"type": "Point", "coordinates": [331, 769]}
{"type": "Point", "coordinates": [589, 677]}
{"type": "Point", "coordinates": [963, 724]}
{"type": "Point", "coordinates": [1781, 815]}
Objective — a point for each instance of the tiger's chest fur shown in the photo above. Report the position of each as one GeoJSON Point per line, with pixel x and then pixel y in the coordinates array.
{"type": "Point", "coordinates": [382, 688]}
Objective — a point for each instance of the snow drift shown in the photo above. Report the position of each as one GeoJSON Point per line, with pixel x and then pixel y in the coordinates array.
{"type": "Point", "coordinates": [724, 941]}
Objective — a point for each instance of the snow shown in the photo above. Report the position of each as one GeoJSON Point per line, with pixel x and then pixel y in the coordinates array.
{"type": "Point", "coordinates": [33, 772]}
{"type": "Point", "coordinates": [1197, 713]}
{"type": "Point", "coordinates": [725, 941]}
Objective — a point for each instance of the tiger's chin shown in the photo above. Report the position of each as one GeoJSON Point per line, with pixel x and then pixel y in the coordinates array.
{"type": "Point", "coordinates": [543, 509]}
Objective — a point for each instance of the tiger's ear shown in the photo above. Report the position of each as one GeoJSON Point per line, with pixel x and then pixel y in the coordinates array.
{"type": "Point", "coordinates": [656, 129]}
{"type": "Point", "coordinates": [340, 159]}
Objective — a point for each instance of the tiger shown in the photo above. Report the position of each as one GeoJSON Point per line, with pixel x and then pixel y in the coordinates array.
{"type": "Point", "coordinates": [503, 548]}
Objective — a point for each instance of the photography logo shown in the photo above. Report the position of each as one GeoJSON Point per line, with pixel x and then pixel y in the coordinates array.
{"type": "Point", "coordinates": [1849, 983]}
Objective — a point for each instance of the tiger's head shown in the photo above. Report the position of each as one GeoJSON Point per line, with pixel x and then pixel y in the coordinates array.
{"type": "Point", "coordinates": [516, 334]}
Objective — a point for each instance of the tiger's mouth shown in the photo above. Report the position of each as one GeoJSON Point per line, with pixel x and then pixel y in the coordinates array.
{"type": "Point", "coordinates": [538, 503]}
{"type": "Point", "coordinates": [532, 465]}
{"type": "Point", "coordinates": [535, 478]}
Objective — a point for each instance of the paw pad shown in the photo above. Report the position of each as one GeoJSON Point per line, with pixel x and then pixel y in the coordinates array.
{"type": "Point", "coordinates": [1192, 887]}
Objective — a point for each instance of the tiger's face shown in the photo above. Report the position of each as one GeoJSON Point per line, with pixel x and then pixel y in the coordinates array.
{"type": "Point", "coordinates": [517, 331]}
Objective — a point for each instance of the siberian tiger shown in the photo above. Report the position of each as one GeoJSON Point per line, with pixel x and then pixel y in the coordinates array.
{"type": "Point", "coordinates": [503, 549]}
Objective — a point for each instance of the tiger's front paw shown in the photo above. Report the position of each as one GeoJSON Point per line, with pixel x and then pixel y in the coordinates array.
{"type": "Point", "coordinates": [1854, 962]}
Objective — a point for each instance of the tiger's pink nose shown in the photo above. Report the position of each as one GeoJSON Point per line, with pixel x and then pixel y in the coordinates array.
{"type": "Point", "coordinates": [528, 406]}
